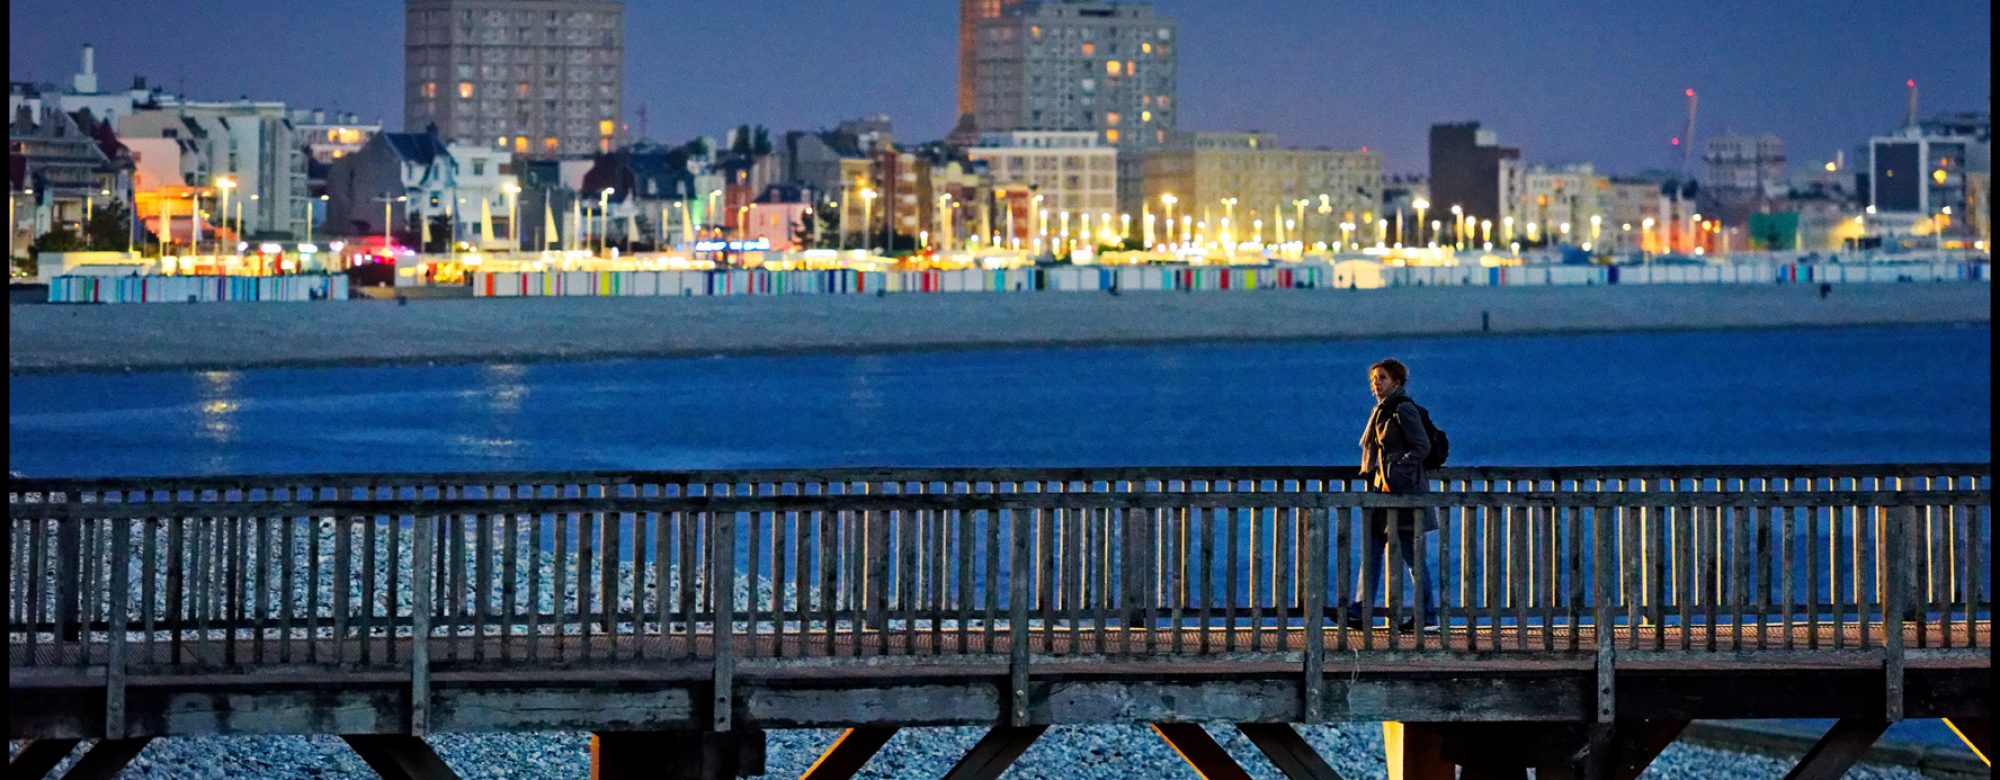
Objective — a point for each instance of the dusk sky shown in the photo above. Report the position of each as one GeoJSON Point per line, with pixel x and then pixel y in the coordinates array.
{"type": "Point", "coordinates": [1599, 82]}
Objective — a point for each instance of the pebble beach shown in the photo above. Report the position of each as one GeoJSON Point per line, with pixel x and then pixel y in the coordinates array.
{"type": "Point", "coordinates": [148, 337]}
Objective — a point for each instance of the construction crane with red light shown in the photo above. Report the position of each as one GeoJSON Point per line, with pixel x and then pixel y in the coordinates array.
{"type": "Point", "coordinates": [1686, 140]}
{"type": "Point", "coordinates": [1910, 119]}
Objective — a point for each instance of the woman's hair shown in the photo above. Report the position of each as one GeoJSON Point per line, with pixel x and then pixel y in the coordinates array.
{"type": "Point", "coordinates": [1394, 368]}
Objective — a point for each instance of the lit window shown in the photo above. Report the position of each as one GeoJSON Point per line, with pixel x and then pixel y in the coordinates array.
{"type": "Point", "coordinates": [604, 127]}
{"type": "Point", "coordinates": [430, 89]}
{"type": "Point", "coordinates": [1113, 67]}
{"type": "Point", "coordinates": [1036, 31]}
{"type": "Point", "coordinates": [1111, 117]}
{"type": "Point", "coordinates": [1089, 49]}
{"type": "Point", "coordinates": [1146, 47]}
{"type": "Point", "coordinates": [465, 89]}
{"type": "Point", "coordinates": [1111, 136]}
{"type": "Point", "coordinates": [502, 143]}
{"type": "Point", "coordinates": [520, 144]}
{"type": "Point", "coordinates": [1145, 116]}
{"type": "Point", "coordinates": [549, 143]}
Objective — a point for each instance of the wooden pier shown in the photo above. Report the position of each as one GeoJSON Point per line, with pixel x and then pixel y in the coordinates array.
{"type": "Point", "coordinates": [1587, 614]}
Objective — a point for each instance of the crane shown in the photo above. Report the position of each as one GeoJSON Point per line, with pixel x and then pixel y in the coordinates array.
{"type": "Point", "coordinates": [1686, 141]}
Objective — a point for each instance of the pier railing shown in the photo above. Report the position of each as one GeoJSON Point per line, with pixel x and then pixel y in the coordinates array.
{"type": "Point", "coordinates": [1001, 566]}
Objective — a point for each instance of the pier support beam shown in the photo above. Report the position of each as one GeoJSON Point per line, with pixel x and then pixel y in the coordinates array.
{"type": "Point", "coordinates": [1977, 733]}
{"type": "Point", "coordinates": [1288, 751]}
{"type": "Point", "coordinates": [676, 755]}
{"type": "Point", "coordinates": [845, 757]}
{"type": "Point", "coordinates": [995, 752]}
{"type": "Point", "coordinates": [105, 759]}
{"type": "Point", "coordinates": [39, 757]}
{"type": "Point", "coordinates": [1838, 750]}
{"type": "Point", "coordinates": [1201, 751]}
{"type": "Point", "coordinates": [1415, 751]}
{"type": "Point", "coordinates": [400, 757]}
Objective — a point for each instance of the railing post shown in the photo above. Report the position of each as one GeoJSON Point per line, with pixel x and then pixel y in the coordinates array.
{"type": "Point", "coordinates": [69, 591]}
{"type": "Point", "coordinates": [1895, 597]}
{"type": "Point", "coordinates": [1315, 613]}
{"type": "Point", "coordinates": [722, 571]}
{"type": "Point", "coordinates": [425, 530]}
{"type": "Point", "coordinates": [115, 624]}
{"type": "Point", "coordinates": [1019, 572]}
{"type": "Point", "coordinates": [1607, 647]}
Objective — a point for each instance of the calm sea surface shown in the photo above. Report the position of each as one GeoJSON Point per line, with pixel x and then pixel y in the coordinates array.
{"type": "Point", "coordinates": [1857, 395]}
{"type": "Point", "coordinates": [1780, 396]}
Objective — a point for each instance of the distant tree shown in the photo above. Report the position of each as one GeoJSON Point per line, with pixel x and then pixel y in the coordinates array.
{"type": "Point", "coordinates": [760, 143]}
{"type": "Point", "coordinates": [57, 240]}
{"type": "Point", "coordinates": [695, 148]}
{"type": "Point", "coordinates": [740, 146]}
{"type": "Point", "coordinates": [109, 228]}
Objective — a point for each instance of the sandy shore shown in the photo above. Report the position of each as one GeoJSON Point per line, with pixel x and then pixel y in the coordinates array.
{"type": "Point", "coordinates": [58, 338]}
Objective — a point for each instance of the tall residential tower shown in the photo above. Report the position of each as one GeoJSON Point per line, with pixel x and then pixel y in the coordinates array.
{"type": "Point", "coordinates": [542, 78]}
{"type": "Point", "coordinates": [1081, 65]}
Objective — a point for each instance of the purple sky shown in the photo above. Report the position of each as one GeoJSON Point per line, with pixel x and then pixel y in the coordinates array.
{"type": "Point", "coordinates": [1567, 82]}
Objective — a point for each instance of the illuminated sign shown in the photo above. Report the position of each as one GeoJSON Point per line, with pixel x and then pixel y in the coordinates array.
{"type": "Point", "coordinates": [759, 245]}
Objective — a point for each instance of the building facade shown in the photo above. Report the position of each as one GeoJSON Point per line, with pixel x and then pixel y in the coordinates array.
{"type": "Point", "coordinates": [1109, 68]}
{"type": "Point", "coordinates": [1746, 174]}
{"type": "Point", "coordinates": [250, 145]}
{"type": "Point", "coordinates": [1544, 204]}
{"type": "Point", "coordinates": [1247, 178]}
{"type": "Point", "coordinates": [1072, 172]}
{"type": "Point", "coordinates": [542, 78]}
{"type": "Point", "coordinates": [1466, 171]}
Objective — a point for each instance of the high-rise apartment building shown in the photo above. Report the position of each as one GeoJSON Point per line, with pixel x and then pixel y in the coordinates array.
{"type": "Point", "coordinates": [1466, 170]}
{"type": "Point", "coordinates": [970, 14]}
{"type": "Point", "coordinates": [539, 78]}
{"type": "Point", "coordinates": [1081, 65]}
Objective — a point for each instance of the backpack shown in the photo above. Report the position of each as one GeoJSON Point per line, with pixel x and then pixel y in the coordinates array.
{"type": "Point", "coordinates": [1440, 443]}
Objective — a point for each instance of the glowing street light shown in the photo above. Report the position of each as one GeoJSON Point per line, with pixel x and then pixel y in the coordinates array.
{"type": "Point", "coordinates": [1420, 205]}
{"type": "Point", "coordinates": [1169, 200]}
{"type": "Point", "coordinates": [514, 215]}
{"type": "Point", "coordinates": [868, 195]}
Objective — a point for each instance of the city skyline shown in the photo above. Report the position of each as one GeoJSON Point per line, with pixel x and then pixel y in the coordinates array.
{"type": "Point", "coordinates": [1603, 88]}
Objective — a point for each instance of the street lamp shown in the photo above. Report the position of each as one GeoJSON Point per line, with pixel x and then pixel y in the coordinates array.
{"type": "Point", "coordinates": [1299, 205]}
{"type": "Point", "coordinates": [1169, 200]}
{"type": "Point", "coordinates": [1420, 205]}
{"type": "Point", "coordinates": [603, 218]}
{"type": "Point", "coordinates": [514, 216]}
{"type": "Point", "coordinates": [309, 220]}
{"type": "Point", "coordinates": [868, 195]}
{"type": "Point", "coordinates": [1457, 227]}
{"type": "Point", "coordinates": [388, 219]}
{"type": "Point", "coordinates": [226, 184]}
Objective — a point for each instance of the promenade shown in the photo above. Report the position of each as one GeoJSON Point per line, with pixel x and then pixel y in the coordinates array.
{"type": "Point", "coordinates": [44, 338]}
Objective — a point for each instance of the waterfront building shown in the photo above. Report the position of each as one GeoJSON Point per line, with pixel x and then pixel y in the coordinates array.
{"type": "Point", "coordinates": [1245, 178]}
{"type": "Point", "coordinates": [1746, 174]}
{"type": "Point", "coordinates": [540, 78]}
{"type": "Point", "coordinates": [1052, 171]}
{"type": "Point", "coordinates": [250, 148]}
{"type": "Point", "coordinates": [404, 178]}
{"type": "Point", "coordinates": [1466, 171]}
{"type": "Point", "coordinates": [1544, 204]}
{"type": "Point", "coordinates": [61, 166]}
{"type": "Point", "coordinates": [1108, 68]}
